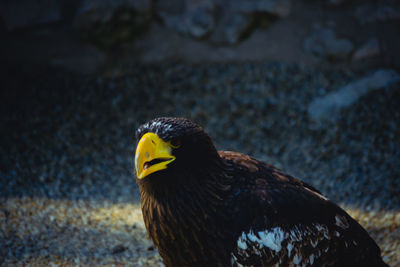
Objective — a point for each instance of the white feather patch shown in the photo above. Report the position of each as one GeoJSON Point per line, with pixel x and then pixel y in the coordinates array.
{"type": "Point", "coordinates": [277, 240]}
{"type": "Point", "coordinates": [270, 238]}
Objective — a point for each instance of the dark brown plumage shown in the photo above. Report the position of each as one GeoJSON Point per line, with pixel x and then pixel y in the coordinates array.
{"type": "Point", "coordinates": [209, 208]}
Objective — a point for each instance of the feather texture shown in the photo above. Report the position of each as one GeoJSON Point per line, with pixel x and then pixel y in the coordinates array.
{"type": "Point", "coordinates": [224, 208]}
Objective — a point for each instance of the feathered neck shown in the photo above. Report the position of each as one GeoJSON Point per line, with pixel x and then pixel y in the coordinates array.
{"type": "Point", "coordinates": [185, 212]}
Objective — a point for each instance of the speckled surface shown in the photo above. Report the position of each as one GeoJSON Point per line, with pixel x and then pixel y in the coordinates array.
{"type": "Point", "coordinates": [67, 191]}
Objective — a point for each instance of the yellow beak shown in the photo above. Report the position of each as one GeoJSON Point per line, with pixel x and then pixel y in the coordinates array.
{"type": "Point", "coordinates": [152, 154]}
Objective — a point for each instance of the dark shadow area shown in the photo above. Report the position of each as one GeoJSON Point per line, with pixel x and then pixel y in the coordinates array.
{"type": "Point", "coordinates": [72, 136]}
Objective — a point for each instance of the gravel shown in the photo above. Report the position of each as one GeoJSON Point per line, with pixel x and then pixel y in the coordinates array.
{"type": "Point", "coordinates": [67, 192]}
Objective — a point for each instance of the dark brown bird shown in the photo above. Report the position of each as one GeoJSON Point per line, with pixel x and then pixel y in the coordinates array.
{"type": "Point", "coordinates": [207, 208]}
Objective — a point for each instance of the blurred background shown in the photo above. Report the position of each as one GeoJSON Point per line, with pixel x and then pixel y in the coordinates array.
{"type": "Point", "coordinates": [310, 86]}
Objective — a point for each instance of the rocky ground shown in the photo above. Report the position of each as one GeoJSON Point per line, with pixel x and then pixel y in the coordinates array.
{"type": "Point", "coordinates": [67, 191]}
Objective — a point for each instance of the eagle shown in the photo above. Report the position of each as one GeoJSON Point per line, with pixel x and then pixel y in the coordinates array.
{"type": "Point", "coordinates": [204, 207]}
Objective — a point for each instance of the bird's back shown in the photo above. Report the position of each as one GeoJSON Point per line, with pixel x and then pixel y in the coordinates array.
{"type": "Point", "coordinates": [279, 219]}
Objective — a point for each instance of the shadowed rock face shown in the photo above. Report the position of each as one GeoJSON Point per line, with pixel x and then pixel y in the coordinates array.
{"type": "Point", "coordinates": [325, 44]}
{"type": "Point", "coordinates": [108, 23]}
{"type": "Point", "coordinates": [322, 33]}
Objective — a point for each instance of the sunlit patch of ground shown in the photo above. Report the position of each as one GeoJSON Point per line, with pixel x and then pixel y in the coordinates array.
{"type": "Point", "coordinates": [42, 232]}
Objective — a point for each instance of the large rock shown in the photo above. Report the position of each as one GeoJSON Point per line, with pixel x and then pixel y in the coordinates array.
{"type": "Point", "coordinates": [198, 18]}
{"type": "Point", "coordinates": [323, 43]}
{"type": "Point", "coordinates": [239, 18]}
{"type": "Point", "coordinates": [196, 23]}
{"type": "Point", "coordinates": [190, 17]}
{"type": "Point", "coordinates": [329, 106]}
{"type": "Point", "coordinates": [19, 14]}
{"type": "Point", "coordinates": [109, 22]}
{"type": "Point", "coordinates": [232, 28]}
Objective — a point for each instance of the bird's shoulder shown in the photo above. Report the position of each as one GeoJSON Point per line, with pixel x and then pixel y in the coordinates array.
{"type": "Point", "coordinates": [251, 172]}
{"type": "Point", "coordinates": [272, 197]}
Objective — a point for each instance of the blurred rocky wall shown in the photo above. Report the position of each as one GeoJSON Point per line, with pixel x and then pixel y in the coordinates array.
{"type": "Point", "coordinates": [107, 22]}
{"type": "Point", "coordinates": [83, 33]}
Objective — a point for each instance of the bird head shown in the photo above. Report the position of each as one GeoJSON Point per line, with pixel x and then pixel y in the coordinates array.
{"type": "Point", "coordinates": [166, 144]}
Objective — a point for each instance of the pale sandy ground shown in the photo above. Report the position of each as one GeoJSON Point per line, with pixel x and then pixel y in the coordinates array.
{"type": "Point", "coordinates": [67, 233]}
